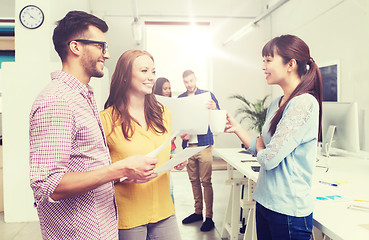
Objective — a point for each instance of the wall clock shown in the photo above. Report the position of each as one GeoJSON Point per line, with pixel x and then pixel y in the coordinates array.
{"type": "Point", "coordinates": [31, 17]}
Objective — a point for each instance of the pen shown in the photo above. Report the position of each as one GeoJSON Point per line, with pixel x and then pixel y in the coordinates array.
{"type": "Point", "coordinates": [362, 200]}
{"type": "Point", "coordinates": [358, 207]}
{"type": "Point", "coordinates": [331, 184]}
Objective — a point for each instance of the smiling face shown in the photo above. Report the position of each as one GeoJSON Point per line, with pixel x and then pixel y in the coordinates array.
{"type": "Point", "coordinates": [143, 75]}
{"type": "Point", "coordinates": [190, 83]}
{"type": "Point", "coordinates": [275, 69]}
{"type": "Point", "coordinates": [92, 58]}
{"type": "Point", "coordinates": [166, 89]}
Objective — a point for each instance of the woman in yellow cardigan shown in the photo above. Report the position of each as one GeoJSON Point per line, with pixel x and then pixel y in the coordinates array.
{"type": "Point", "coordinates": [136, 123]}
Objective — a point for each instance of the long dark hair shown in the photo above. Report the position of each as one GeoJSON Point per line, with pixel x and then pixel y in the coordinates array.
{"type": "Point", "coordinates": [118, 98]}
{"type": "Point", "coordinates": [158, 87]}
{"type": "Point", "coordinates": [291, 47]}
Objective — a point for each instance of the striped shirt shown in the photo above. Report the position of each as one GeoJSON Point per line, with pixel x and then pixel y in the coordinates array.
{"type": "Point", "coordinates": [66, 135]}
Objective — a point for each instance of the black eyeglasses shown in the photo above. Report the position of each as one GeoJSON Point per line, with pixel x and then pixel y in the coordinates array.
{"type": "Point", "coordinates": [103, 45]}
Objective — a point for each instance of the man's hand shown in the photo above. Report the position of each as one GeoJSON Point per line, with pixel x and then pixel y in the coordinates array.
{"type": "Point", "coordinates": [181, 166]}
{"type": "Point", "coordinates": [136, 168]}
{"type": "Point", "coordinates": [185, 136]}
{"type": "Point", "coordinates": [212, 105]}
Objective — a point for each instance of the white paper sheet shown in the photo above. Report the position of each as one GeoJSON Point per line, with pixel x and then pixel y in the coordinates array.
{"type": "Point", "coordinates": [160, 148]}
{"type": "Point", "coordinates": [179, 158]}
{"type": "Point", "coordinates": [189, 114]}
{"type": "Point", "coordinates": [154, 153]}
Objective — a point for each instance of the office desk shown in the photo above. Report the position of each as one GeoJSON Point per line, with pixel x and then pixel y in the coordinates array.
{"type": "Point", "coordinates": [242, 162]}
{"type": "Point", "coordinates": [332, 216]}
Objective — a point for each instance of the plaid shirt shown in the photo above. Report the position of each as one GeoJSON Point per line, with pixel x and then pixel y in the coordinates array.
{"type": "Point", "coordinates": [66, 135]}
{"type": "Point", "coordinates": [205, 139]}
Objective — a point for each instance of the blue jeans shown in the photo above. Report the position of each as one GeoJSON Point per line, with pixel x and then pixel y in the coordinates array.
{"type": "Point", "coordinates": [271, 225]}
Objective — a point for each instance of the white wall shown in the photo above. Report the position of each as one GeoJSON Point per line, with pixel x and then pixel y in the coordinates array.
{"type": "Point", "coordinates": [22, 81]}
{"type": "Point", "coordinates": [237, 70]}
{"type": "Point", "coordinates": [7, 9]}
{"type": "Point", "coordinates": [18, 81]}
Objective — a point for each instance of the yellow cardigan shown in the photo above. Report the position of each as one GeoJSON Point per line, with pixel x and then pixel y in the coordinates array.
{"type": "Point", "coordinates": [140, 204]}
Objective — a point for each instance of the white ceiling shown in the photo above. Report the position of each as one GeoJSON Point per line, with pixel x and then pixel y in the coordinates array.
{"type": "Point", "coordinates": [180, 8]}
{"type": "Point", "coordinates": [167, 8]}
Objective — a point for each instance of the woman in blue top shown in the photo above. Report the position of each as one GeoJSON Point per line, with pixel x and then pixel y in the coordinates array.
{"type": "Point", "coordinates": [287, 147]}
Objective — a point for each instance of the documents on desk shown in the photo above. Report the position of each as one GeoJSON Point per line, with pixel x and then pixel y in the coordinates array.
{"type": "Point", "coordinates": [337, 212]}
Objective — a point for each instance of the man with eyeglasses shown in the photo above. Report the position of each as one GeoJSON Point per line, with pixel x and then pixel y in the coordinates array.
{"type": "Point", "coordinates": [71, 173]}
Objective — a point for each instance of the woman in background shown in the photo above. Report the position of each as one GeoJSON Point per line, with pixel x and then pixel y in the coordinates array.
{"type": "Point", "coordinates": [287, 147]}
{"type": "Point", "coordinates": [162, 87]}
{"type": "Point", "coordinates": [136, 123]}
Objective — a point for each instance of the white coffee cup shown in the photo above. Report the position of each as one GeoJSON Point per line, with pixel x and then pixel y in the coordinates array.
{"type": "Point", "coordinates": [217, 120]}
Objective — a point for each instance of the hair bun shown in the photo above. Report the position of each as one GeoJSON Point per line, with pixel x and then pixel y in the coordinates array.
{"type": "Point", "coordinates": [311, 60]}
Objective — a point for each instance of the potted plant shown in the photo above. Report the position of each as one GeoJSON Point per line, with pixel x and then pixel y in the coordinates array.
{"type": "Point", "coordinates": [256, 112]}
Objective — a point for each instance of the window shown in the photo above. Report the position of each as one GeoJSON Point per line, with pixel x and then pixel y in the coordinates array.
{"type": "Point", "coordinates": [179, 46]}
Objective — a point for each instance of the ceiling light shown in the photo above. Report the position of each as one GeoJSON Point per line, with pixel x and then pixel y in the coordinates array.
{"type": "Point", "coordinates": [250, 26]}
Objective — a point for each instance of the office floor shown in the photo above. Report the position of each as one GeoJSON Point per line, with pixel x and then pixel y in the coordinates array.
{"type": "Point", "coordinates": [183, 204]}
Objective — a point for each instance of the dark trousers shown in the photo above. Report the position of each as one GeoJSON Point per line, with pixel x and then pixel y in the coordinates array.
{"type": "Point", "coordinates": [271, 225]}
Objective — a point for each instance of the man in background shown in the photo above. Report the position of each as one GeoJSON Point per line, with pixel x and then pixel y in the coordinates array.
{"type": "Point", "coordinates": [199, 167]}
{"type": "Point", "coordinates": [70, 171]}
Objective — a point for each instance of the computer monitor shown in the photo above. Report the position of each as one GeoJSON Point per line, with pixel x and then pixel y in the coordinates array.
{"type": "Point", "coordinates": [344, 116]}
{"type": "Point", "coordinates": [330, 72]}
